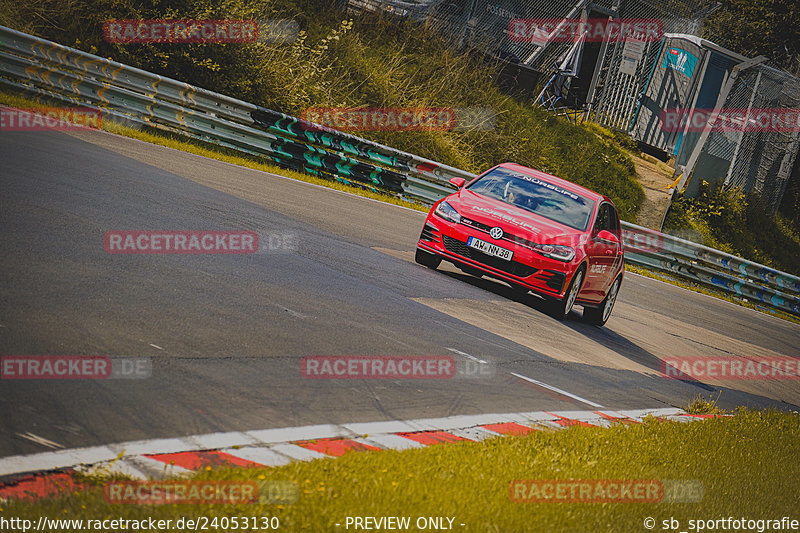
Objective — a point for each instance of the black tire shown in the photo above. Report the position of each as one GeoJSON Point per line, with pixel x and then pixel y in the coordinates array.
{"type": "Point", "coordinates": [597, 316]}
{"type": "Point", "coordinates": [427, 259]}
{"type": "Point", "coordinates": [561, 308]}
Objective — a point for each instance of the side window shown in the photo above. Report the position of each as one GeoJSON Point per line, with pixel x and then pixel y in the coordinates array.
{"type": "Point", "coordinates": [603, 219]}
{"type": "Point", "coordinates": [614, 221]}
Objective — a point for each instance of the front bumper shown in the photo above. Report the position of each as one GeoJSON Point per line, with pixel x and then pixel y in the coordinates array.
{"type": "Point", "coordinates": [527, 268]}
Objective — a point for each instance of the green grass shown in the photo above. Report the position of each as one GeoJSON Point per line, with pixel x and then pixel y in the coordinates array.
{"type": "Point", "coordinates": [705, 406]}
{"type": "Point", "coordinates": [746, 463]}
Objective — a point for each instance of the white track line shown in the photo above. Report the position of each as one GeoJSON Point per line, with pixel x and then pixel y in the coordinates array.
{"type": "Point", "coordinates": [298, 452]}
{"type": "Point", "coordinates": [468, 356]}
{"type": "Point", "coordinates": [262, 456]}
{"type": "Point", "coordinates": [556, 389]}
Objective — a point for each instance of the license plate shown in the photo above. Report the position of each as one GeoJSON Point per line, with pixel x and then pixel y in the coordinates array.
{"type": "Point", "coordinates": [490, 249]}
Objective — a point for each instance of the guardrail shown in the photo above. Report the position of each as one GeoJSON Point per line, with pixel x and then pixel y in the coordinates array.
{"type": "Point", "coordinates": [47, 69]}
{"type": "Point", "coordinates": [50, 71]}
{"type": "Point", "coordinates": [712, 268]}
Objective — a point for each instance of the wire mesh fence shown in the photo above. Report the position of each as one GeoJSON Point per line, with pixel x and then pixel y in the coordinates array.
{"type": "Point", "coordinates": [626, 68]}
{"type": "Point", "coordinates": [615, 72]}
{"type": "Point", "coordinates": [762, 146]}
{"type": "Point", "coordinates": [486, 25]}
{"type": "Point", "coordinates": [479, 24]}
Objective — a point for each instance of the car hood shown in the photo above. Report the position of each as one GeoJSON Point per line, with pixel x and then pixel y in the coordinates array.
{"type": "Point", "coordinates": [513, 220]}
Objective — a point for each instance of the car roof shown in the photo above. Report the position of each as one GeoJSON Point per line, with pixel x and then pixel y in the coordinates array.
{"type": "Point", "coordinates": [565, 184]}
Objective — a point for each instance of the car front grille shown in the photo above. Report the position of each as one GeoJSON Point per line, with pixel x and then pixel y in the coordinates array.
{"type": "Point", "coordinates": [475, 224]}
{"type": "Point", "coordinates": [487, 228]}
{"type": "Point", "coordinates": [511, 267]}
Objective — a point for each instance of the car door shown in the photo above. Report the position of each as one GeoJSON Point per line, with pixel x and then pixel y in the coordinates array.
{"type": "Point", "coordinates": [602, 256]}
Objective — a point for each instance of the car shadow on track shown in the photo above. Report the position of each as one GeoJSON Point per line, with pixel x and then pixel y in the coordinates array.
{"type": "Point", "coordinates": [604, 336]}
{"type": "Point", "coordinates": [624, 347]}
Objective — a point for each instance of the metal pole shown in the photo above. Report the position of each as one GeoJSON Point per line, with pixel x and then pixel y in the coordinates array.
{"type": "Point", "coordinates": [598, 67]}
{"type": "Point", "coordinates": [536, 53]}
{"type": "Point", "coordinates": [786, 167]}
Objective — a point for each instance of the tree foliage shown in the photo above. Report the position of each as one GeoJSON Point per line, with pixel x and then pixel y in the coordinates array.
{"type": "Point", "coordinates": [770, 28]}
{"type": "Point", "coordinates": [758, 27]}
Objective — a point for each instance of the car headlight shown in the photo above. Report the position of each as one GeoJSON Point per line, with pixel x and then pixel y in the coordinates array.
{"type": "Point", "coordinates": [447, 212]}
{"type": "Point", "coordinates": [556, 251]}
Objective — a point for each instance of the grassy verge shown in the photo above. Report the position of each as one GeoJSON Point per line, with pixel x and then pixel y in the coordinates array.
{"type": "Point", "coordinates": [745, 464]}
{"type": "Point", "coordinates": [705, 406]}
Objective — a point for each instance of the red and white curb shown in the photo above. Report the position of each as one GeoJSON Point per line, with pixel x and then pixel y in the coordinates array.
{"type": "Point", "coordinates": [38, 475]}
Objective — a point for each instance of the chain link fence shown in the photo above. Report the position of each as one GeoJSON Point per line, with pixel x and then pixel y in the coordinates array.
{"type": "Point", "coordinates": [614, 74]}
{"type": "Point", "coordinates": [478, 24]}
{"type": "Point", "coordinates": [626, 68]}
{"type": "Point", "coordinates": [763, 150]}
{"type": "Point", "coordinates": [484, 25]}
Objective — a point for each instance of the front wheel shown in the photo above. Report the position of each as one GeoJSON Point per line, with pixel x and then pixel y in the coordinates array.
{"type": "Point", "coordinates": [598, 316]}
{"type": "Point", "coordinates": [562, 307]}
{"type": "Point", "coordinates": [427, 259]}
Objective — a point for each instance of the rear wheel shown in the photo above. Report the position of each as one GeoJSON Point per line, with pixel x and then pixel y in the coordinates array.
{"type": "Point", "coordinates": [427, 259]}
{"type": "Point", "coordinates": [598, 316]}
{"type": "Point", "coordinates": [562, 307]}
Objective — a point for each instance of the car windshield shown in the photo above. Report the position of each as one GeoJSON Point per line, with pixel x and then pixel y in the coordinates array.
{"type": "Point", "coordinates": [537, 196]}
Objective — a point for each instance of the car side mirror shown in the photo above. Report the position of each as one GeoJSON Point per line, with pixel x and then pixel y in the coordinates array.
{"type": "Point", "coordinates": [607, 236]}
{"type": "Point", "coordinates": [458, 182]}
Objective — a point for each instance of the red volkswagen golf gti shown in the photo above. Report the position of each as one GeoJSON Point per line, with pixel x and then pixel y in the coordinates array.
{"type": "Point", "coordinates": [534, 231]}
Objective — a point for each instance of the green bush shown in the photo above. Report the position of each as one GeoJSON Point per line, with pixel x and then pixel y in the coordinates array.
{"type": "Point", "coordinates": [736, 223]}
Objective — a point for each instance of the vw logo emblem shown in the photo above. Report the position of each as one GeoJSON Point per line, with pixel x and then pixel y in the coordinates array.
{"type": "Point", "coordinates": [496, 233]}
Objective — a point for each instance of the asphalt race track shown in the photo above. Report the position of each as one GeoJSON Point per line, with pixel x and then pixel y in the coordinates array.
{"type": "Point", "coordinates": [226, 333]}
